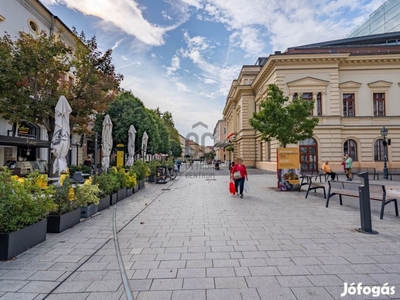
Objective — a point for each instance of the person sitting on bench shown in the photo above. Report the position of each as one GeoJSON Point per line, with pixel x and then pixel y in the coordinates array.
{"type": "Point", "coordinates": [327, 170]}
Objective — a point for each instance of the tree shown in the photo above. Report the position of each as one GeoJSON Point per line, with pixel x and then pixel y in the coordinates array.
{"type": "Point", "coordinates": [176, 148]}
{"type": "Point", "coordinates": [31, 72]}
{"type": "Point", "coordinates": [288, 123]}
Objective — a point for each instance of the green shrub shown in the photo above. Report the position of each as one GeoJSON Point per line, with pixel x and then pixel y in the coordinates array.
{"type": "Point", "coordinates": [153, 166]}
{"type": "Point", "coordinates": [64, 198]}
{"type": "Point", "coordinates": [87, 194]}
{"type": "Point", "coordinates": [105, 184]}
{"type": "Point", "coordinates": [22, 204]}
{"type": "Point", "coordinates": [141, 169]}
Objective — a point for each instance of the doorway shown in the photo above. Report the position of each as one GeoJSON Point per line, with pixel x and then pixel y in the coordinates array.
{"type": "Point", "coordinates": [308, 156]}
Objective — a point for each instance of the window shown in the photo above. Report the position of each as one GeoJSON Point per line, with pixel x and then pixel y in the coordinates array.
{"type": "Point", "coordinates": [379, 150]}
{"type": "Point", "coordinates": [379, 104]}
{"type": "Point", "coordinates": [34, 27]}
{"type": "Point", "coordinates": [306, 97]}
{"type": "Point", "coordinates": [348, 105]}
{"type": "Point", "coordinates": [319, 104]}
{"type": "Point", "coordinates": [350, 147]}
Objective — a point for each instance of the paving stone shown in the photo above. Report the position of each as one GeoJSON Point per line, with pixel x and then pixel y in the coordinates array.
{"type": "Point", "coordinates": [273, 293]}
{"type": "Point", "coordinates": [189, 294]}
{"type": "Point", "coordinates": [198, 283]}
{"type": "Point", "coordinates": [221, 272]}
{"type": "Point", "coordinates": [191, 272]}
{"type": "Point", "coordinates": [166, 284]}
{"type": "Point", "coordinates": [230, 282]}
{"type": "Point", "coordinates": [162, 273]}
{"type": "Point", "coordinates": [310, 293]}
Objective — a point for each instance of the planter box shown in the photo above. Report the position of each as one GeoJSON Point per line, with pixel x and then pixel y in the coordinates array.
{"type": "Point", "coordinates": [89, 211]}
{"type": "Point", "coordinates": [151, 178]}
{"type": "Point", "coordinates": [129, 192]}
{"type": "Point", "coordinates": [104, 203]}
{"type": "Point", "coordinates": [16, 242]}
{"type": "Point", "coordinates": [136, 188]}
{"type": "Point", "coordinates": [59, 223]}
{"type": "Point", "coordinates": [121, 194]}
{"type": "Point", "coordinates": [113, 198]}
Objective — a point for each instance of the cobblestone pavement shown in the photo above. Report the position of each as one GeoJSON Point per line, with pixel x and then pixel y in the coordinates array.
{"type": "Point", "coordinates": [191, 239]}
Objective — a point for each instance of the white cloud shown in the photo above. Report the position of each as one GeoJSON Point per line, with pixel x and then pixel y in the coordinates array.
{"type": "Point", "coordinates": [175, 65]}
{"type": "Point", "coordinates": [117, 44]}
{"type": "Point", "coordinates": [123, 14]}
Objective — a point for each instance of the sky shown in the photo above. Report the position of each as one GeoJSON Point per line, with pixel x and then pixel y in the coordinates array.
{"type": "Point", "coordinates": [182, 55]}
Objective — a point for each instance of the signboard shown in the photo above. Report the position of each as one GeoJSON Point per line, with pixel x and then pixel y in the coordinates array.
{"type": "Point", "coordinates": [288, 168]}
{"type": "Point", "coordinates": [161, 174]}
{"type": "Point", "coordinates": [120, 155]}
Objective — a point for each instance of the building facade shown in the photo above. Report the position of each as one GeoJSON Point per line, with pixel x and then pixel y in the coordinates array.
{"type": "Point", "coordinates": [220, 140]}
{"type": "Point", "coordinates": [27, 141]}
{"type": "Point", "coordinates": [356, 90]}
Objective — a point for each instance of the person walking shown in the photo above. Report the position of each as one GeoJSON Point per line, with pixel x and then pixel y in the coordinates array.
{"type": "Point", "coordinates": [349, 166]}
{"type": "Point", "coordinates": [327, 170]}
{"type": "Point", "coordinates": [239, 174]}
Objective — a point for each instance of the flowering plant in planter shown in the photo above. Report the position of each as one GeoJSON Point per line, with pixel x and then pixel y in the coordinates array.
{"type": "Point", "coordinates": [64, 198]}
{"type": "Point", "coordinates": [131, 181]}
{"type": "Point", "coordinates": [23, 203]}
{"type": "Point", "coordinates": [87, 194]}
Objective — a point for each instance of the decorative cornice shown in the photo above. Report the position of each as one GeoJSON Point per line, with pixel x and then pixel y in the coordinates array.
{"type": "Point", "coordinates": [380, 84]}
{"type": "Point", "coordinates": [349, 85]}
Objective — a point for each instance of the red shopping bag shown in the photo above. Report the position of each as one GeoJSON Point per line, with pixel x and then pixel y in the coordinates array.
{"type": "Point", "coordinates": [232, 188]}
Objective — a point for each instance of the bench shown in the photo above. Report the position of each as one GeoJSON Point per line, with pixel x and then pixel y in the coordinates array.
{"type": "Point", "coordinates": [391, 172]}
{"type": "Point", "coordinates": [351, 189]}
{"type": "Point", "coordinates": [311, 180]}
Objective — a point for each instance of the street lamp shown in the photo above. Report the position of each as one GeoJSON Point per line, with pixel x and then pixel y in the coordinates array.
{"type": "Point", "coordinates": [384, 133]}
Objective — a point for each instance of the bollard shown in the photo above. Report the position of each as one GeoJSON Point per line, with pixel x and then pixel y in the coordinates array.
{"type": "Point", "coordinates": [365, 205]}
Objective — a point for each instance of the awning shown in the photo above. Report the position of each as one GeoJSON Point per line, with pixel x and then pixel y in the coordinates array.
{"type": "Point", "coordinates": [17, 141]}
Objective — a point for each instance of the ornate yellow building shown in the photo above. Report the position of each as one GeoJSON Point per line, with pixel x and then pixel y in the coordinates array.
{"type": "Point", "coordinates": [356, 88]}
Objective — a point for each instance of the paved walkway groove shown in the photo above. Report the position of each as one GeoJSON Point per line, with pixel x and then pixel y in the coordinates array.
{"type": "Point", "coordinates": [196, 241]}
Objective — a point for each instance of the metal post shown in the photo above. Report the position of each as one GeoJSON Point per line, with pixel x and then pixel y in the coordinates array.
{"type": "Point", "coordinates": [365, 205]}
{"type": "Point", "coordinates": [95, 158]}
{"type": "Point", "coordinates": [385, 169]}
{"type": "Point", "coordinates": [384, 133]}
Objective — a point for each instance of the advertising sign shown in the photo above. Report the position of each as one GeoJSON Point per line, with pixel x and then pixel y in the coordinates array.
{"type": "Point", "coordinates": [288, 168]}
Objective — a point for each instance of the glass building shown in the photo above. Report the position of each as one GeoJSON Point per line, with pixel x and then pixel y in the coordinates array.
{"type": "Point", "coordinates": [384, 20]}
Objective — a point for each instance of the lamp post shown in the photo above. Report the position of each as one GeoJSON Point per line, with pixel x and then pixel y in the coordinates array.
{"type": "Point", "coordinates": [384, 133]}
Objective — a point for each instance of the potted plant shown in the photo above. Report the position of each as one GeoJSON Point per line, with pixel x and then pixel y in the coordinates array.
{"type": "Point", "coordinates": [86, 195]}
{"type": "Point", "coordinates": [24, 208]}
{"type": "Point", "coordinates": [153, 170]}
{"type": "Point", "coordinates": [106, 190]}
{"type": "Point", "coordinates": [120, 184]}
{"type": "Point", "coordinates": [142, 171]}
{"type": "Point", "coordinates": [67, 212]}
{"type": "Point", "coordinates": [131, 181]}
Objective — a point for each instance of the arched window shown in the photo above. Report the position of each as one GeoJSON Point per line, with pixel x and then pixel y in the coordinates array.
{"type": "Point", "coordinates": [379, 150]}
{"type": "Point", "coordinates": [350, 147]}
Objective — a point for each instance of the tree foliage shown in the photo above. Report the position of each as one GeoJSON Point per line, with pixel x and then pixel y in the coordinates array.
{"type": "Point", "coordinates": [31, 72]}
{"type": "Point", "coordinates": [128, 110]}
{"type": "Point", "coordinates": [289, 122]}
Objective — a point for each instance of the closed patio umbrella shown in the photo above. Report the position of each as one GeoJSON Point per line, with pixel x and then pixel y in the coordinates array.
{"type": "Point", "coordinates": [61, 137]}
{"type": "Point", "coordinates": [145, 139]}
{"type": "Point", "coordinates": [131, 145]}
{"type": "Point", "coordinates": [107, 142]}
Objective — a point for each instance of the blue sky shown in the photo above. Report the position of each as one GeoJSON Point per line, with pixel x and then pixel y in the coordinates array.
{"type": "Point", "coordinates": [182, 55]}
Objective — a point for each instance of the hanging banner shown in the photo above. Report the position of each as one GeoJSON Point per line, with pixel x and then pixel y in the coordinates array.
{"type": "Point", "coordinates": [288, 168]}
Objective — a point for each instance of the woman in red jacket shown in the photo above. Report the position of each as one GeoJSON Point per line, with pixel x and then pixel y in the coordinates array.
{"type": "Point", "coordinates": [239, 174]}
